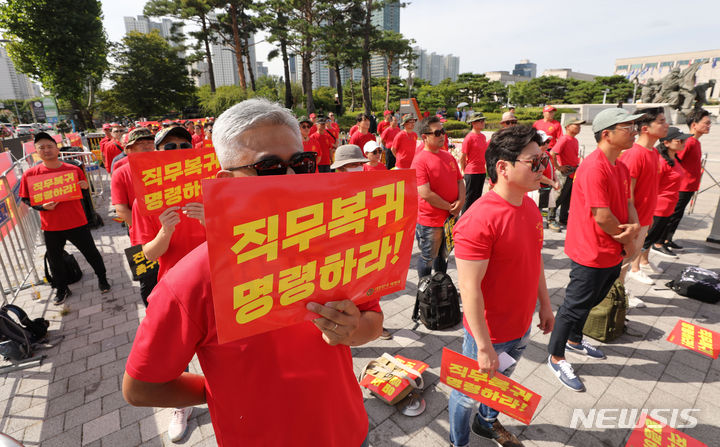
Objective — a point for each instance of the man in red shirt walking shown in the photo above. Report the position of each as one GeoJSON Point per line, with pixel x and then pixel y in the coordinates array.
{"type": "Point", "coordinates": [363, 134]}
{"type": "Point", "coordinates": [326, 143]}
{"type": "Point", "coordinates": [472, 160]}
{"type": "Point", "coordinates": [691, 160]}
{"type": "Point", "coordinates": [565, 157]}
{"type": "Point", "coordinates": [114, 147]}
{"type": "Point", "coordinates": [386, 139]}
{"type": "Point", "coordinates": [403, 146]}
{"type": "Point", "coordinates": [549, 125]}
{"type": "Point", "coordinates": [385, 123]}
{"type": "Point", "coordinates": [602, 227]}
{"type": "Point", "coordinates": [441, 192]}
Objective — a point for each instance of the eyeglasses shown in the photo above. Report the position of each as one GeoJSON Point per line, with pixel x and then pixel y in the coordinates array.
{"type": "Point", "coordinates": [538, 163]}
{"type": "Point", "coordinates": [305, 126]}
{"type": "Point", "coordinates": [510, 122]}
{"type": "Point", "coordinates": [628, 128]}
{"type": "Point", "coordinates": [172, 146]}
{"type": "Point", "coordinates": [437, 133]}
{"type": "Point", "coordinates": [300, 162]}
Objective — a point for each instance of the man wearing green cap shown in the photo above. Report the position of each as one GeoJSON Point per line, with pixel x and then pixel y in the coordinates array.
{"type": "Point", "coordinates": [121, 191]}
{"type": "Point", "coordinates": [602, 227]}
{"type": "Point", "coordinates": [472, 160]}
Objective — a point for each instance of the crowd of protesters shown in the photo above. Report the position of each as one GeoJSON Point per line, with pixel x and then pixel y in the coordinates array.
{"type": "Point", "coordinates": [617, 205]}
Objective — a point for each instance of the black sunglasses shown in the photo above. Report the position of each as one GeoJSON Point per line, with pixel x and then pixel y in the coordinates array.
{"type": "Point", "coordinates": [437, 133]}
{"type": "Point", "coordinates": [377, 152]}
{"type": "Point", "coordinates": [300, 162]}
{"type": "Point", "coordinates": [172, 146]}
{"type": "Point", "coordinates": [538, 163]}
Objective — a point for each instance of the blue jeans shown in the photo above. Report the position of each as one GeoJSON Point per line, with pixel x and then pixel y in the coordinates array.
{"type": "Point", "coordinates": [431, 241]}
{"type": "Point", "coordinates": [460, 407]}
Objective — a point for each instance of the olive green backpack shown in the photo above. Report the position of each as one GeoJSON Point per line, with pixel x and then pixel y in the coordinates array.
{"type": "Point", "coordinates": [606, 321]}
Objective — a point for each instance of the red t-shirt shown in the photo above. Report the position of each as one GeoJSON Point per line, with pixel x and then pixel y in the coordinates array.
{"type": "Point", "coordinates": [691, 159]}
{"type": "Point", "coordinates": [567, 149]}
{"type": "Point", "coordinates": [474, 146]}
{"type": "Point", "coordinates": [110, 150]}
{"type": "Point", "coordinates": [510, 238]}
{"type": "Point", "coordinates": [404, 145]}
{"type": "Point", "coordinates": [120, 163]}
{"type": "Point", "coordinates": [670, 179]}
{"type": "Point", "coordinates": [553, 129]}
{"type": "Point", "coordinates": [121, 190]}
{"type": "Point", "coordinates": [388, 136]}
{"type": "Point", "coordinates": [360, 139]}
{"type": "Point", "coordinates": [382, 125]}
{"type": "Point", "coordinates": [311, 145]}
{"type": "Point", "coordinates": [197, 139]}
{"type": "Point", "coordinates": [442, 173]}
{"type": "Point", "coordinates": [642, 163]}
{"type": "Point", "coordinates": [598, 184]}
{"type": "Point", "coordinates": [66, 215]}
{"type": "Point", "coordinates": [246, 379]}
{"type": "Point", "coordinates": [353, 129]}
{"type": "Point", "coordinates": [188, 234]}
{"type": "Point", "coordinates": [324, 142]}
{"type": "Point", "coordinates": [333, 128]}
{"type": "Point", "coordinates": [379, 167]}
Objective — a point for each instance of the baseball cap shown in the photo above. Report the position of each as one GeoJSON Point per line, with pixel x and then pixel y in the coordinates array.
{"type": "Point", "coordinates": [610, 117]}
{"type": "Point", "coordinates": [575, 121]}
{"type": "Point", "coordinates": [304, 119]}
{"type": "Point", "coordinates": [408, 117]}
{"type": "Point", "coordinates": [106, 126]}
{"type": "Point", "coordinates": [508, 116]}
{"type": "Point", "coordinates": [675, 134]}
{"type": "Point", "coordinates": [320, 120]}
{"type": "Point", "coordinates": [43, 136]}
{"type": "Point", "coordinates": [140, 133]}
{"type": "Point", "coordinates": [477, 116]}
{"type": "Point", "coordinates": [386, 113]}
{"type": "Point", "coordinates": [346, 154]}
{"type": "Point", "coordinates": [312, 115]}
{"type": "Point", "coordinates": [442, 118]}
{"type": "Point", "coordinates": [370, 146]}
{"type": "Point", "coordinates": [170, 131]}
{"type": "Point", "coordinates": [545, 137]}
{"type": "Point", "coordinates": [549, 108]}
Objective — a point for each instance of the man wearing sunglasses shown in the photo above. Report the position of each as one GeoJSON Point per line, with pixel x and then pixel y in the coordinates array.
{"type": "Point", "coordinates": [499, 239]}
{"type": "Point", "coordinates": [472, 160]}
{"type": "Point", "coordinates": [602, 227]}
{"type": "Point", "coordinates": [291, 386]}
{"type": "Point", "coordinates": [508, 120]}
{"type": "Point", "coordinates": [441, 192]}
{"type": "Point", "coordinates": [372, 152]}
{"type": "Point", "coordinates": [114, 147]}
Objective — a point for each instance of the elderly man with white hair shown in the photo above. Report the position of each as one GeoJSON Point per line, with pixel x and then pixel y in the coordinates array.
{"type": "Point", "coordinates": [291, 386]}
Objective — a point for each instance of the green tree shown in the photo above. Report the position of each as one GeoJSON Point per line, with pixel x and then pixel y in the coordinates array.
{"type": "Point", "coordinates": [392, 46]}
{"type": "Point", "coordinates": [273, 15]}
{"type": "Point", "coordinates": [61, 43]}
{"type": "Point", "coordinates": [150, 78]}
{"type": "Point", "coordinates": [620, 88]}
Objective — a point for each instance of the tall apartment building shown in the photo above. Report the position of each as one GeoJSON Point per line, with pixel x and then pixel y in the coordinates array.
{"type": "Point", "coordinates": [385, 18]}
{"type": "Point", "coordinates": [144, 25]}
{"type": "Point", "coordinates": [434, 67]}
{"type": "Point", "coordinates": [13, 84]}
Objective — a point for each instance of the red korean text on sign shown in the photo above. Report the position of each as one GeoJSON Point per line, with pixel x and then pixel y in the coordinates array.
{"type": "Point", "coordinates": [651, 433]}
{"type": "Point", "coordinates": [277, 242]}
{"type": "Point", "coordinates": [499, 392]}
{"type": "Point", "coordinates": [696, 338]}
{"type": "Point", "coordinates": [162, 179]}
{"type": "Point", "coordinates": [54, 187]}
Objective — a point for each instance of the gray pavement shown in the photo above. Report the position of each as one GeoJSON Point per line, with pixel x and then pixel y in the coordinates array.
{"type": "Point", "coordinates": [74, 398]}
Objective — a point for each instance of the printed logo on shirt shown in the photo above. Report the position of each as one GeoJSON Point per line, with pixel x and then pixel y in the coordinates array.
{"type": "Point", "coordinates": [539, 227]}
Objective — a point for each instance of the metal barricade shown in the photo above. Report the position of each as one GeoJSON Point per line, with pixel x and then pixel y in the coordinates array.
{"type": "Point", "coordinates": [98, 178]}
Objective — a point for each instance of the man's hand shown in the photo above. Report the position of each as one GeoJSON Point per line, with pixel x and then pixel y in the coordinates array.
{"type": "Point", "coordinates": [556, 186]}
{"type": "Point", "coordinates": [195, 210]}
{"type": "Point", "coordinates": [83, 184]}
{"type": "Point", "coordinates": [629, 231]}
{"type": "Point", "coordinates": [455, 208]}
{"type": "Point", "coordinates": [547, 319]}
{"type": "Point", "coordinates": [169, 218]}
{"type": "Point", "coordinates": [564, 169]}
{"type": "Point", "coordinates": [487, 361]}
{"type": "Point", "coordinates": [49, 206]}
{"type": "Point", "coordinates": [338, 320]}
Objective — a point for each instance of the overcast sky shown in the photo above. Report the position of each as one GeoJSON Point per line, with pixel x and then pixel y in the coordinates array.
{"type": "Point", "coordinates": [585, 35]}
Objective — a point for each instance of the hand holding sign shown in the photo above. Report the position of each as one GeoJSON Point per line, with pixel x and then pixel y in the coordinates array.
{"type": "Point", "coordinates": [338, 320]}
{"type": "Point", "coordinates": [49, 206]}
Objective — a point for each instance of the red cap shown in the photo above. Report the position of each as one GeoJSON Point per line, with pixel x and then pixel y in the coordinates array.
{"type": "Point", "coordinates": [312, 115]}
{"type": "Point", "coordinates": [549, 109]}
{"type": "Point", "coordinates": [106, 126]}
{"type": "Point", "coordinates": [442, 120]}
{"type": "Point", "coordinates": [387, 112]}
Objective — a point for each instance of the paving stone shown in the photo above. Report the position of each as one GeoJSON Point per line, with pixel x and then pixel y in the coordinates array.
{"type": "Point", "coordinates": [100, 427]}
{"type": "Point", "coordinates": [128, 436]}
{"type": "Point", "coordinates": [82, 414]}
{"type": "Point", "coordinates": [69, 438]}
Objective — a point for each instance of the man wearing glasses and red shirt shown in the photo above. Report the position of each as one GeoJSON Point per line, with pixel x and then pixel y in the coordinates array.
{"type": "Point", "coordinates": [311, 379]}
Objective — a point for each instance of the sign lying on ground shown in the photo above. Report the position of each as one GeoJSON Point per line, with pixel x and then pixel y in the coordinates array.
{"type": "Point", "coordinates": [499, 392]}
{"type": "Point", "coordinates": [277, 242]}
{"type": "Point", "coordinates": [696, 338]}
{"type": "Point", "coordinates": [651, 433]}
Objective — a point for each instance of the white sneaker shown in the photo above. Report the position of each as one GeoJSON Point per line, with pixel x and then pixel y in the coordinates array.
{"type": "Point", "coordinates": [640, 276]}
{"type": "Point", "coordinates": [651, 267]}
{"type": "Point", "coordinates": [636, 302]}
{"type": "Point", "coordinates": [178, 423]}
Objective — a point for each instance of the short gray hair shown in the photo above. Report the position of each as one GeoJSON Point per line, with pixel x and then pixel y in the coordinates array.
{"type": "Point", "coordinates": [243, 116]}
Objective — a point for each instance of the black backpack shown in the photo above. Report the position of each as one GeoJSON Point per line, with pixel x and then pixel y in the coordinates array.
{"type": "Point", "coordinates": [19, 333]}
{"type": "Point", "coordinates": [437, 304]}
{"type": "Point", "coordinates": [72, 272]}
{"type": "Point", "coordinates": [697, 283]}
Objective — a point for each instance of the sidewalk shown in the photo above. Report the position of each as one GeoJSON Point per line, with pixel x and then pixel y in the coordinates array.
{"type": "Point", "coordinates": [74, 398]}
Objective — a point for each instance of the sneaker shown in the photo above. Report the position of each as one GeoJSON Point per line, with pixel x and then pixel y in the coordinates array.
{"type": "Point", "coordinates": [673, 245]}
{"type": "Point", "coordinates": [497, 433]}
{"type": "Point", "coordinates": [651, 267]}
{"type": "Point", "coordinates": [60, 296]}
{"type": "Point", "coordinates": [178, 423]}
{"type": "Point", "coordinates": [663, 250]}
{"type": "Point", "coordinates": [103, 285]}
{"type": "Point", "coordinates": [635, 302]}
{"type": "Point", "coordinates": [386, 335]}
{"type": "Point", "coordinates": [585, 348]}
{"type": "Point", "coordinates": [555, 226]}
{"type": "Point", "coordinates": [640, 276]}
{"type": "Point", "coordinates": [564, 371]}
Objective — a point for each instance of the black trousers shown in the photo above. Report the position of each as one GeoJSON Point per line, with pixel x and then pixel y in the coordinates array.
{"type": "Point", "coordinates": [389, 159]}
{"type": "Point", "coordinates": [474, 184]}
{"type": "Point", "coordinates": [81, 238]}
{"type": "Point", "coordinates": [563, 201]}
{"type": "Point", "coordinates": [323, 168]}
{"type": "Point", "coordinates": [676, 217]}
{"type": "Point", "coordinates": [588, 287]}
{"type": "Point", "coordinates": [543, 197]}
{"type": "Point", "coordinates": [147, 284]}
{"type": "Point", "coordinates": [657, 234]}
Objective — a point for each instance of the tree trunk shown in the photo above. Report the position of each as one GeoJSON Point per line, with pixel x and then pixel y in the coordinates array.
{"type": "Point", "coordinates": [286, 69]}
{"type": "Point", "coordinates": [307, 82]}
{"type": "Point", "coordinates": [387, 85]}
{"type": "Point", "coordinates": [352, 89]}
{"type": "Point", "coordinates": [208, 54]}
{"type": "Point", "coordinates": [339, 87]}
{"type": "Point", "coordinates": [365, 83]}
{"type": "Point", "coordinates": [251, 71]}
{"type": "Point", "coordinates": [237, 46]}
{"type": "Point", "coordinates": [77, 109]}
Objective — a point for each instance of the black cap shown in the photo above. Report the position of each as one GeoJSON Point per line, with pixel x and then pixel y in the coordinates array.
{"type": "Point", "coordinates": [675, 134]}
{"type": "Point", "coordinates": [43, 136]}
{"type": "Point", "coordinates": [168, 131]}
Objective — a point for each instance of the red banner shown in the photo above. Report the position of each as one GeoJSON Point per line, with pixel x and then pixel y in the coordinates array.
{"type": "Point", "coordinates": [6, 163]}
{"type": "Point", "coordinates": [651, 433]}
{"type": "Point", "coordinates": [278, 242]}
{"type": "Point", "coordinates": [74, 139]}
{"type": "Point", "coordinates": [54, 187]}
{"type": "Point", "coordinates": [163, 179]}
{"type": "Point", "coordinates": [696, 338]}
{"type": "Point", "coordinates": [390, 389]}
{"type": "Point", "coordinates": [500, 392]}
